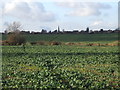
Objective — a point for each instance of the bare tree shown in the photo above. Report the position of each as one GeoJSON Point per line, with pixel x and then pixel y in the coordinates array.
{"type": "Point", "coordinates": [14, 36]}
{"type": "Point", "coordinates": [13, 27]}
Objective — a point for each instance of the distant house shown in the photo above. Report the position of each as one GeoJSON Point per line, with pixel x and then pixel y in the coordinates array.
{"type": "Point", "coordinates": [55, 32]}
{"type": "Point", "coordinates": [109, 31]}
{"type": "Point", "coordinates": [25, 32]}
{"type": "Point", "coordinates": [83, 32]}
{"type": "Point", "coordinates": [43, 31]}
{"type": "Point", "coordinates": [75, 31]}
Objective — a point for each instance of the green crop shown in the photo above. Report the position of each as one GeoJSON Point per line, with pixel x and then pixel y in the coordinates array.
{"type": "Point", "coordinates": [70, 37]}
{"type": "Point", "coordinates": [61, 67]}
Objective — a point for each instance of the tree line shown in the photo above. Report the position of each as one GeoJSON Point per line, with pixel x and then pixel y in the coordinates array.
{"type": "Point", "coordinates": [16, 27]}
{"type": "Point", "coordinates": [16, 35]}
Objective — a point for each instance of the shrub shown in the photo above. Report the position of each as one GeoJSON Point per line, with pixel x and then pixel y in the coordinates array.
{"type": "Point", "coordinates": [33, 43]}
{"type": "Point", "coordinates": [70, 43]}
{"type": "Point", "coordinates": [55, 43]}
{"type": "Point", "coordinates": [41, 43]}
{"type": "Point", "coordinates": [1, 42]}
{"type": "Point", "coordinates": [5, 42]}
{"type": "Point", "coordinates": [16, 39]}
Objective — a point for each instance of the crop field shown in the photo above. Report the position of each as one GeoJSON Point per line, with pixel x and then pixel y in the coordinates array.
{"type": "Point", "coordinates": [61, 67]}
{"type": "Point", "coordinates": [70, 37]}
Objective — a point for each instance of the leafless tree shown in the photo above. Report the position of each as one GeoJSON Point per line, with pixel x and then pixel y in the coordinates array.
{"type": "Point", "coordinates": [14, 27]}
{"type": "Point", "coordinates": [15, 37]}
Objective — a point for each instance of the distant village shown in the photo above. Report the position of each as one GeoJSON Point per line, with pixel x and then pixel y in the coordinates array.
{"type": "Point", "coordinates": [58, 31]}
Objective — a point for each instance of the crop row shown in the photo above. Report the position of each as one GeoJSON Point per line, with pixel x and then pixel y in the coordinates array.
{"type": "Point", "coordinates": [68, 67]}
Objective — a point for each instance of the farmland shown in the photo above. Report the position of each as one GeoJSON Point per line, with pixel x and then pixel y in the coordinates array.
{"type": "Point", "coordinates": [61, 66]}
{"type": "Point", "coordinates": [71, 37]}
{"type": "Point", "coordinates": [60, 45]}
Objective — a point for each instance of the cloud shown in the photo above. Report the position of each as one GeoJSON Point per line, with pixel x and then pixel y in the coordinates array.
{"type": "Point", "coordinates": [28, 11]}
{"type": "Point", "coordinates": [103, 24]}
{"type": "Point", "coordinates": [84, 8]}
{"type": "Point", "coordinates": [45, 27]}
{"type": "Point", "coordinates": [96, 23]}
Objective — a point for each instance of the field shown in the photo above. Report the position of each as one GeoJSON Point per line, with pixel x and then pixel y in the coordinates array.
{"type": "Point", "coordinates": [71, 37]}
{"type": "Point", "coordinates": [62, 67]}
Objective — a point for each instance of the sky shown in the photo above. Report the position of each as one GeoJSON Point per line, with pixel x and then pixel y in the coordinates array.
{"type": "Point", "coordinates": [35, 15]}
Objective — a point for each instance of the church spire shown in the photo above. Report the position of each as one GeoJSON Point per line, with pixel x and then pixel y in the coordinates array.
{"type": "Point", "coordinates": [58, 29]}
